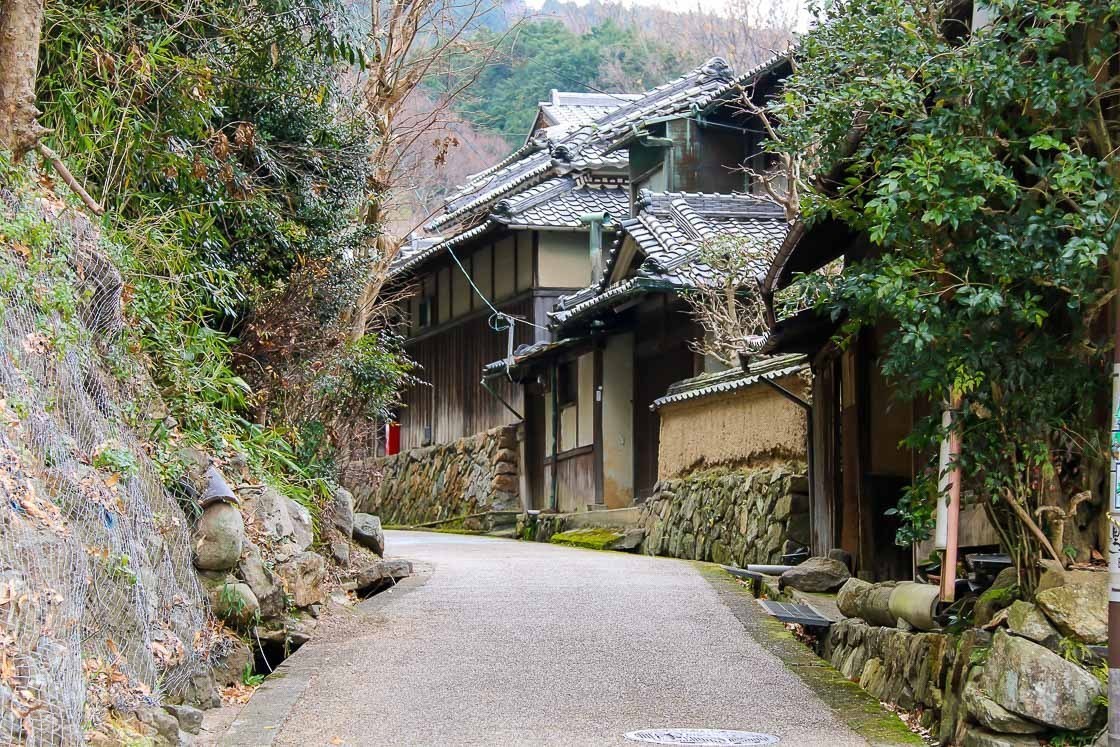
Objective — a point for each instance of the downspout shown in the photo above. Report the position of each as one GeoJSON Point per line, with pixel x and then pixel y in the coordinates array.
{"type": "Point", "coordinates": [949, 512]}
{"type": "Point", "coordinates": [501, 399]}
{"type": "Point", "coordinates": [596, 221]}
{"type": "Point", "coordinates": [808, 408]}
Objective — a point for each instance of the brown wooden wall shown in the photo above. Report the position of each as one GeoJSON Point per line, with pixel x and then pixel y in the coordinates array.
{"type": "Point", "coordinates": [452, 401]}
{"type": "Point", "coordinates": [575, 480]}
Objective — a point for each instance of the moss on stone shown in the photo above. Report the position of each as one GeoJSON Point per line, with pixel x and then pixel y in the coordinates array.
{"type": "Point", "coordinates": [591, 538]}
{"type": "Point", "coordinates": [852, 705]}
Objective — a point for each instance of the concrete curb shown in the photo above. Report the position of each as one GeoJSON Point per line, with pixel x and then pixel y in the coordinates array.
{"type": "Point", "coordinates": [258, 722]}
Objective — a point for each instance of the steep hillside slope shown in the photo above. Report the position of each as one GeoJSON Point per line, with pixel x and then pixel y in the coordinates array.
{"type": "Point", "coordinates": [99, 603]}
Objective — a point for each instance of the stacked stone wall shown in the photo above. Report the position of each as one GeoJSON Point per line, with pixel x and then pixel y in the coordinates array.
{"type": "Point", "coordinates": [743, 515]}
{"type": "Point", "coordinates": [1030, 676]}
{"type": "Point", "coordinates": [469, 476]}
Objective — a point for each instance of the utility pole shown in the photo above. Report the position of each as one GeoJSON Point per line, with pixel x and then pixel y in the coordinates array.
{"type": "Point", "coordinates": [1114, 529]}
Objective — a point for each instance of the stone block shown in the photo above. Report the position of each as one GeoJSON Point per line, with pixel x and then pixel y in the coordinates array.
{"type": "Point", "coordinates": [304, 577]}
{"type": "Point", "coordinates": [218, 537]}
{"type": "Point", "coordinates": [991, 714]}
{"type": "Point", "coordinates": [1027, 621]}
{"type": "Point", "coordinates": [1034, 682]}
{"type": "Point", "coordinates": [1079, 607]}
{"type": "Point", "coordinates": [816, 574]}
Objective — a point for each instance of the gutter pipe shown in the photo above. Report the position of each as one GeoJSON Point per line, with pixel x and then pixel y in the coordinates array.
{"type": "Point", "coordinates": [501, 399]}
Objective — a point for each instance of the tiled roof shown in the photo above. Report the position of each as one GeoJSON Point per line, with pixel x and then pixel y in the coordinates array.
{"type": "Point", "coordinates": [578, 305]}
{"type": "Point", "coordinates": [671, 228]}
{"type": "Point", "coordinates": [524, 354]}
{"type": "Point", "coordinates": [585, 148]}
{"type": "Point", "coordinates": [560, 202]}
{"type": "Point", "coordinates": [708, 385]}
{"type": "Point", "coordinates": [570, 109]}
{"type": "Point", "coordinates": [705, 98]}
{"type": "Point", "coordinates": [492, 185]}
{"type": "Point", "coordinates": [419, 250]}
{"type": "Point", "coordinates": [590, 144]}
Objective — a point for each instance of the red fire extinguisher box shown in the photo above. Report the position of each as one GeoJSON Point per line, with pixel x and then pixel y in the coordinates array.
{"type": "Point", "coordinates": [392, 439]}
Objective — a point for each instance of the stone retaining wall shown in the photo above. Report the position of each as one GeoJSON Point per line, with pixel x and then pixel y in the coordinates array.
{"type": "Point", "coordinates": [743, 515]}
{"type": "Point", "coordinates": [469, 476]}
{"type": "Point", "coordinates": [1032, 677]}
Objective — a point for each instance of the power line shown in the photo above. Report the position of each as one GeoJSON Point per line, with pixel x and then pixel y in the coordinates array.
{"type": "Point", "coordinates": [497, 314]}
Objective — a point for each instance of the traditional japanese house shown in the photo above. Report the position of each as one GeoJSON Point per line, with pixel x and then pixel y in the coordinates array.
{"type": "Point", "coordinates": [511, 242]}
{"type": "Point", "coordinates": [620, 342]}
{"type": "Point", "coordinates": [859, 465]}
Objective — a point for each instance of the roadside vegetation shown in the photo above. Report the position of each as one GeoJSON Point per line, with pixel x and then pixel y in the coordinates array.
{"type": "Point", "coordinates": [983, 169]}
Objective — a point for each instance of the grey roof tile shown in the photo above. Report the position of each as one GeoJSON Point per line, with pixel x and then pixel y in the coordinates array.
{"type": "Point", "coordinates": [560, 202]}
{"type": "Point", "coordinates": [585, 148]}
{"type": "Point", "coordinates": [708, 385]}
{"type": "Point", "coordinates": [670, 229]}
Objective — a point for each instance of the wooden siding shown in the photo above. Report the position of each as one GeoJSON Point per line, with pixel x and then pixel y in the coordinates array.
{"type": "Point", "coordinates": [575, 480]}
{"type": "Point", "coordinates": [452, 401]}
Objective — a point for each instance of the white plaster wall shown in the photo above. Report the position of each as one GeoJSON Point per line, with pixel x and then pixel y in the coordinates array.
{"type": "Point", "coordinates": [586, 392]}
{"type": "Point", "coordinates": [564, 259]}
{"type": "Point", "coordinates": [618, 421]}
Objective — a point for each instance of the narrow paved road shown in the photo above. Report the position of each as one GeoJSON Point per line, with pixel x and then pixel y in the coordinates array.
{"type": "Point", "coordinates": [515, 643]}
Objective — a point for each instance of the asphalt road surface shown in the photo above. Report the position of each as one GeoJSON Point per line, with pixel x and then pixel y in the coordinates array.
{"type": "Point", "coordinates": [499, 642]}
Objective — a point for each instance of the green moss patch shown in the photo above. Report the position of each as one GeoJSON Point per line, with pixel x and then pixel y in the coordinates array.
{"type": "Point", "coordinates": [591, 538]}
{"type": "Point", "coordinates": [851, 704]}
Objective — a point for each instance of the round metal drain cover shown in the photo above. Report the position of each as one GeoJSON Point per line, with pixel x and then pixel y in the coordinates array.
{"type": "Point", "coordinates": [701, 737]}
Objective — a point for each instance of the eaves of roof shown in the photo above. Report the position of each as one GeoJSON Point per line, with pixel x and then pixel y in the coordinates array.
{"type": "Point", "coordinates": [417, 259]}
{"type": "Point", "coordinates": [709, 385]}
{"type": "Point", "coordinates": [627, 289]}
{"type": "Point", "coordinates": [527, 354]}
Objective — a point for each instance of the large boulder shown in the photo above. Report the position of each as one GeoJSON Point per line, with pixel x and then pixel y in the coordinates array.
{"type": "Point", "coordinates": [340, 513]}
{"type": "Point", "coordinates": [303, 528]}
{"type": "Point", "coordinates": [303, 577]}
{"type": "Point", "coordinates": [189, 717]}
{"type": "Point", "coordinates": [1079, 607]}
{"type": "Point", "coordinates": [269, 511]}
{"type": "Point", "coordinates": [235, 603]}
{"type": "Point", "coordinates": [1034, 682]}
{"type": "Point", "coordinates": [991, 714]}
{"type": "Point", "coordinates": [816, 574]}
{"type": "Point", "coordinates": [976, 737]}
{"type": "Point", "coordinates": [281, 517]}
{"type": "Point", "coordinates": [382, 571]}
{"type": "Point", "coordinates": [229, 664]}
{"type": "Point", "coordinates": [368, 532]}
{"type": "Point", "coordinates": [218, 537]}
{"type": "Point", "coordinates": [269, 593]}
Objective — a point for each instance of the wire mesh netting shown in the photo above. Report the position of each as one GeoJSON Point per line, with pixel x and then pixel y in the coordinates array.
{"type": "Point", "coordinates": [99, 605]}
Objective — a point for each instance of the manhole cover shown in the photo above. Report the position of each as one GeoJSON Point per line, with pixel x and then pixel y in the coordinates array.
{"type": "Point", "coordinates": [701, 737]}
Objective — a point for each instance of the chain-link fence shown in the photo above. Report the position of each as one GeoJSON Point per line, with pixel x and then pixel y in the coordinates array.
{"type": "Point", "coordinates": [99, 604]}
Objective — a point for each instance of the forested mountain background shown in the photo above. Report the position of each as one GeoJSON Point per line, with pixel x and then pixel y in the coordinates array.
{"type": "Point", "coordinates": [515, 54]}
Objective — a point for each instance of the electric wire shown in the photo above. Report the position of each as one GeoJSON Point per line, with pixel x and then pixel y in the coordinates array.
{"type": "Point", "coordinates": [497, 315]}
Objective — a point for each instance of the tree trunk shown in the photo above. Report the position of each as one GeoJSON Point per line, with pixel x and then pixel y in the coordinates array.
{"type": "Point", "coordinates": [20, 27]}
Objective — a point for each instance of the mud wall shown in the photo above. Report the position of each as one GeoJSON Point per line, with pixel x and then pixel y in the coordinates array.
{"type": "Point", "coordinates": [732, 428]}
